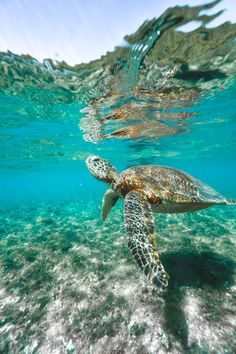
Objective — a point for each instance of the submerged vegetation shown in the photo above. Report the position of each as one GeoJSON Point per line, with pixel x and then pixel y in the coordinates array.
{"type": "Point", "coordinates": [74, 290]}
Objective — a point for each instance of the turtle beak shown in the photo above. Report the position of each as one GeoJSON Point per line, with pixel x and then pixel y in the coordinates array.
{"type": "Point", "coordinates": [91, 159]}
{"type": "Point", "coordinates": [91, 164]}
{"type": "Point", "coordinates": [88, 161]}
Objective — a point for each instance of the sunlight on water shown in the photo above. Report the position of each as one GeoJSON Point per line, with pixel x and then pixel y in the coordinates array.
{"type": "Point", "coordinates": [68, 281]}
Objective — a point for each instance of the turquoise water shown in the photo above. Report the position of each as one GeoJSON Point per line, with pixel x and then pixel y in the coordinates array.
{"type": "Point", "coordinates": [68, 281]}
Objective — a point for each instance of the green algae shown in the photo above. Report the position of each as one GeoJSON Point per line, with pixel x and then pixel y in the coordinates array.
{"type": "Point", "coordinates": [104, 319]}
{"type": "Point", "coordinates": [138, 329]}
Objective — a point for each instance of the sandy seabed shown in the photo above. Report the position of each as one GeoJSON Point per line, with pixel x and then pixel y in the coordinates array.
{"type": "Point", "coordinates": [70, 285]}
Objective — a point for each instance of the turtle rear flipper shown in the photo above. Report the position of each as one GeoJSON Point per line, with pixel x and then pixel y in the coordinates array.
{"type": "Point", "coordinates": [139, 226]}
{"type": "Point", "coordinates": [230, 202]}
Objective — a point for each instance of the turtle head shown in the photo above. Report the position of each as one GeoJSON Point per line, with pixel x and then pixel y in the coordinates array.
{"type": "Point", "coordinates": [101, 169]}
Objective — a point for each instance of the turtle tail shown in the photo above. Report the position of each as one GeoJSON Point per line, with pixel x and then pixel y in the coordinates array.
{"type": "Point", "coordinates": [230, 202]}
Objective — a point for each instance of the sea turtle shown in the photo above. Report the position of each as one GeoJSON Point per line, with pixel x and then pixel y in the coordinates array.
{"type": "Point", "coordinates": [146, 190]}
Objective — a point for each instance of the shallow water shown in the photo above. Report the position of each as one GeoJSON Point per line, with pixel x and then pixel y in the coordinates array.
{"type": "Point", "coordinates": [68, 281]}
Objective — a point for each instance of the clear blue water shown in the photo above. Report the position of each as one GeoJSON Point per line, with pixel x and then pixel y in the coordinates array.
{"type": "Point", "coordinates": [68, 281]}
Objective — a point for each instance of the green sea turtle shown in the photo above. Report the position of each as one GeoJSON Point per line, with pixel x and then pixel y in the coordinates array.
{"type": "Point", "coordinates": [146, 190]}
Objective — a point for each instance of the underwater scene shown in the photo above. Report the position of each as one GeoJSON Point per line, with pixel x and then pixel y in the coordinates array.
{"type": "Point", "coordinates": [68, 280]}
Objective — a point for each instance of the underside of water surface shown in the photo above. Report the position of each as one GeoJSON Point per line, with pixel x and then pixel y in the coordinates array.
{"type": "Point", "coordinates": [68, 282]}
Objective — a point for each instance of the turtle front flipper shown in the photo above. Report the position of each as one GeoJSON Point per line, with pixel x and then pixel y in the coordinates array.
{"type": "Point", "coordinates": [139, 224]}
{"type": "Point", "coordinates": [109, 200]}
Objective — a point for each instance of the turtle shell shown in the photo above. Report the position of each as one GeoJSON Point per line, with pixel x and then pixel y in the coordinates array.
{"type": "Point", "coordinates": [173, 184]}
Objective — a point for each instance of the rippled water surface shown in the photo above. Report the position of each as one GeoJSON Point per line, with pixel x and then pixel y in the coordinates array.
{"type": "Point", "coordinates": [68, 281]}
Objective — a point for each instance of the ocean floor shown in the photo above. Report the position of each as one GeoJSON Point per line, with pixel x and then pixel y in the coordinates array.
{"type": "Point", "coordinates": [70, 285]}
